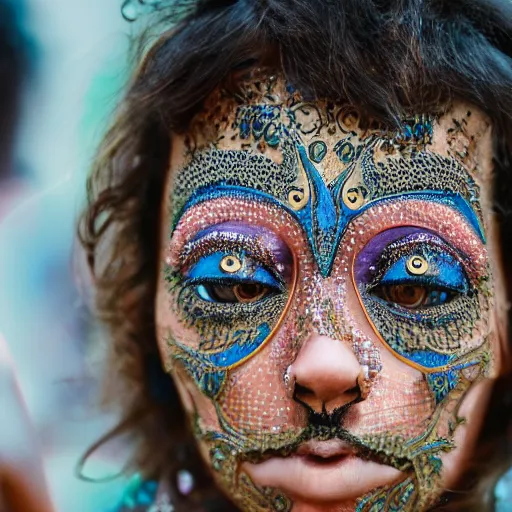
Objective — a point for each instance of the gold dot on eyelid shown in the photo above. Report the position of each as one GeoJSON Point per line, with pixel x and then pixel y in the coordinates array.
{"type": "Point", "coordinates": [353, 197]}
{"type": "Point", "coordinates": [417, 265]}
{"type": "Point", "coordinates": [297, 199]}
{"type": "Point", "coordinates": [230, 264]}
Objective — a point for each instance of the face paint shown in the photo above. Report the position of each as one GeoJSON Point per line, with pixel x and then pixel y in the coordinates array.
{"type": "Point", "coordinates": [325, 300]}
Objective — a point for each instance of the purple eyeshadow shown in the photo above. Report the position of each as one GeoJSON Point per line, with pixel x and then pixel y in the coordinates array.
{"type": "Point", "coordinates": [267, 238]}
{"type": "Point", "coordinates": [367, 259]}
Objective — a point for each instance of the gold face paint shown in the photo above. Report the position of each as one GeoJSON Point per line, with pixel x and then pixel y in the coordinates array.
{"type": "Point", "coordinates": [230, 264]}
{"type": "Point", "coordinates": [416, 265]}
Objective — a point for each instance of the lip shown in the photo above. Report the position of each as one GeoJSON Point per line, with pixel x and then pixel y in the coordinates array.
{"type": "Point", "coordinates": [322, 471]}
{"type": "Point", "coordinates": [333, 448]}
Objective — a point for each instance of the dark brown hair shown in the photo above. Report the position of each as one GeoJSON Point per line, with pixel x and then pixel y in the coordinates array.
{"type": "Point", "coordinates": [385, 56]}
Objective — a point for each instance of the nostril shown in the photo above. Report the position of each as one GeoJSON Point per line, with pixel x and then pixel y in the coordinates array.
{"type": "Point", "coordinates": [303, 391]}
{"type": "Point", "coordinates": [326, 400]}
{"type": "Point", "coordinates": [355, 390]}
{"type": "Point", "coordinates": [307, 397]}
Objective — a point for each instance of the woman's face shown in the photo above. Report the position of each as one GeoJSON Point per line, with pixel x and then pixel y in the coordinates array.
{"type": "Point", "coordinates": [326, 298]}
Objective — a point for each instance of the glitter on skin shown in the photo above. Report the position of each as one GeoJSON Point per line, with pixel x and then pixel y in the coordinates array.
{"type": "Point", "coordinates": [254, 411]}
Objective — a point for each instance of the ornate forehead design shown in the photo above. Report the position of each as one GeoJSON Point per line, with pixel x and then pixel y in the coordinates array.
{"type": "Point", "coordinates": [270, 124]}
{"type": "Point", "coordinates": [267, 110]}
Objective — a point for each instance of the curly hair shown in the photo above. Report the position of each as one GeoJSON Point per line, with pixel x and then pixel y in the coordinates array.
{"type": "Point", "coordinates": [387, 57]}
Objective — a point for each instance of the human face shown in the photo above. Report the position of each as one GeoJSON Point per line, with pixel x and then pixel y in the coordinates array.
{"type": "Point", "coordinates": [326, 299]}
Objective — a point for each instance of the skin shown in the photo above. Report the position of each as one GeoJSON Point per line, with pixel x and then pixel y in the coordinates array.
{"type": "Point", "coordinates": [326, 386]}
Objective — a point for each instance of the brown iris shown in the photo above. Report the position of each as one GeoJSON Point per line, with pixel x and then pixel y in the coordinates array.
{"type": "Point", "coordinates": [406, 295]}
{"type": "Point", "coordinates": [244, 292]}
{"type": "Point", "coordinates": [414, 296]}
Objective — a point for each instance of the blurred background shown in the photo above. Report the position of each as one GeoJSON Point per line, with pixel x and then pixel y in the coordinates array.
{"type": "Point", "coordinates": [78, 62]}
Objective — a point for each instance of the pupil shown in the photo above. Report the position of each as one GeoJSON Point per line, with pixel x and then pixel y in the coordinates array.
{"type": "Point", "coordinates": [409, 291]}
{"type": "Point", "coordinates": [296, 198]}
{"type": "Point", "coordinates": [408, 296]}
{"type": "Point", "coordinates": [248, 291]}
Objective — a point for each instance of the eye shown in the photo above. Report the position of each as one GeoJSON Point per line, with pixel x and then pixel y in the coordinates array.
{"type": "Point", "coordinates": [231, 294]}
{"type": "Point", "coordinates": [233, 278]}
{"type": "Point", "coordinates": [416, 272]}
{"type": "Point", "coordinates": [412, 296]}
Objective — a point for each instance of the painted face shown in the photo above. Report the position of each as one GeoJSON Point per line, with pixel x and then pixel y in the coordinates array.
{"type": "Point", "coordinates": [325, 302]}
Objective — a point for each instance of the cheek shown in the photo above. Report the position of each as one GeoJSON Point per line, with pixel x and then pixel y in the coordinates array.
{"type": "Point", "coordinates": [401, 396]}
{"type": "Point", "coordinates": [256, 398]}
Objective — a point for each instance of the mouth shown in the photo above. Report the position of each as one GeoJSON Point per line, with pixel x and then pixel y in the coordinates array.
{"type": "Point", "coordinates": [322, 471]}
{"type": "Point", "coordinates": [325, 453]}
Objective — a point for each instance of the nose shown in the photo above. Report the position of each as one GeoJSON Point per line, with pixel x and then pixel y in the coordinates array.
{"type": "Point", "coordinates": [326, 374]}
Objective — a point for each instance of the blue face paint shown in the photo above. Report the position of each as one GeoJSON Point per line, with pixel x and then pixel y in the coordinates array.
{"type": "Point", "coordinates": [444, 272]}
{"type": "Point", "coordinates": [208, 270]}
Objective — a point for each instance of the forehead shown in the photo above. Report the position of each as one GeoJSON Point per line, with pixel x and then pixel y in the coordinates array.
{"type": "Point", "coordinates": [261, 114]}
{"type": "Point", "coordinates": [264, 115]}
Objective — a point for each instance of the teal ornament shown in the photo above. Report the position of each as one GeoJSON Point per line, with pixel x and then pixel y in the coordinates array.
{"type": "Point", "coordinates": [345, 151]}
{"type": "Point", "coordinates": [317, 151]}
{"type": "Point", "coordinates": [281, 504]}
{"type": "Point", "coordinates": [218, 457]}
